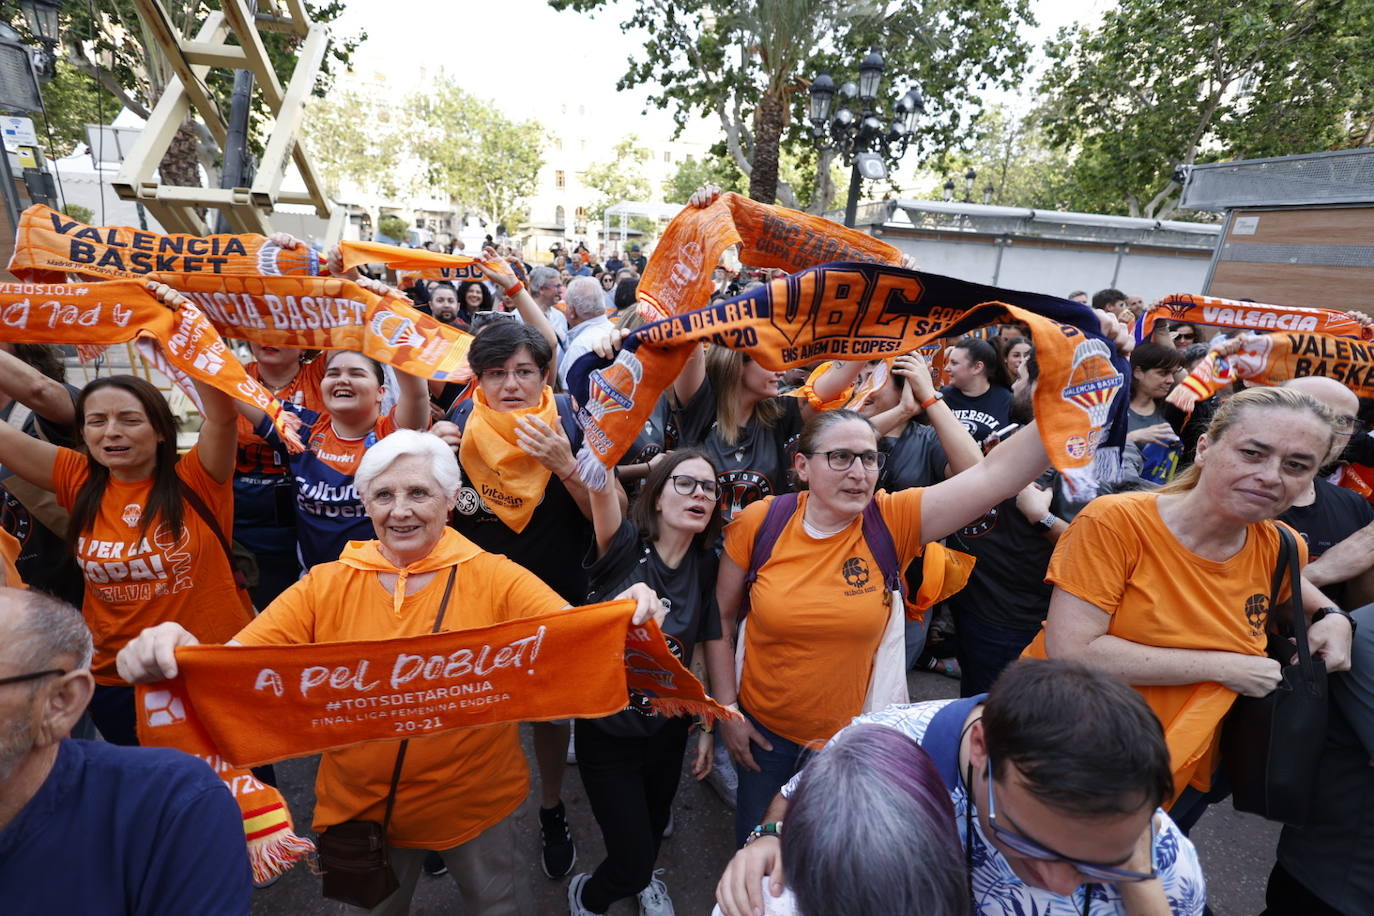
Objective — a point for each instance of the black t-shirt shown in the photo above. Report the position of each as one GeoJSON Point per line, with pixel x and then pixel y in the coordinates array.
{"type": "Point", "coordinates": [1007, 586]}
{"type": "Point", "coordinates": [1334, 515]}
{"type": "Point", "coordinates": [44, 562]}
{"type": "Point", "coordinates": [914, 459]}
{"type": "Point", "coordinates": [688, 593]}
{"type": "Point", "coordinates": [984, 415]}
{"type": "Point", "coordinates": [553, 542]}
{"type": "Point", "coordinates": [757, 464]}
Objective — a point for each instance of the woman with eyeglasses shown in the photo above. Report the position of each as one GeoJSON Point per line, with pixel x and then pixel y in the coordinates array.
{"type": "Point", "coordinates": [818, 608]}
{"type": "Point", "coordinates": [630, 762]}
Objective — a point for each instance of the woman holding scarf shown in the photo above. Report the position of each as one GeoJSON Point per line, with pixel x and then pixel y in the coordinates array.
{"type": "Point", "coordinates": [515, 441]}
{"type": "Point", "coordinates": [456, 790]}
{"type": "Point", "coordinates": [630, 762]}
{"type": "Point", "coordinates": [145, 527]}
{"type": "Point", "coordinates": [808, 655]}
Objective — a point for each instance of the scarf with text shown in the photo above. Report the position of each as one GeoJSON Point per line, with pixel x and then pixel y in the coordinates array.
{"type": "Point", "coordinates": [49, 245]}
{"type": "Point", "coordinates": [414, 262]}
{"type": "Point", "coordinates": [866, 311]}
{"type": "Point", "coordinates": [260, 704]}
{"type": "Point", "coordinates": [183, 343]}
{"type": "Point", "coordinates": [678, 278]}
{"type": "Point", "coordinates": [1247, 316]}
{"type": "Point", "coordinates": [1268, 359]}
{"type": "Point", "coordinates": [510, 481]}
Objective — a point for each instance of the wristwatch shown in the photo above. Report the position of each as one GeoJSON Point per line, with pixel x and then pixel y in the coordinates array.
{"type": "Point", "coordinates": [1321, 612]}
{"type": "Point", "coordinates": [1047, 523]}
{"type": "Point", "coordinates": [772, 828]}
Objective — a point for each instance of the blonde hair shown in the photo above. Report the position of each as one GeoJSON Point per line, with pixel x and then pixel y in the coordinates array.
{"type": "Point", "coordinates": [725, 369]}
{"type": "Point", "coordinates": [1230, 412]}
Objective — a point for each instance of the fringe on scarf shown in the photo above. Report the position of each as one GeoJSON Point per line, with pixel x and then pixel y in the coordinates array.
{"type": "Point", "coordinates": [670, 706]}
{"type": "Point", "coordinates": [273, 846]}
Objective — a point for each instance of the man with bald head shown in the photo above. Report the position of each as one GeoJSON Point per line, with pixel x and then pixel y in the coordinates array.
{"type": "Point", "coordinates": [87, 827]}
{"type": "Point", "coordinates": [1338, 524]}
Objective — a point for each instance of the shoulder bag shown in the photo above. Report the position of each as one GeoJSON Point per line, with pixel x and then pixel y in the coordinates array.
{"type": "Point", "coordinates": [1271, 745]}
{"type": "Point", "coordinates": [354, 858]}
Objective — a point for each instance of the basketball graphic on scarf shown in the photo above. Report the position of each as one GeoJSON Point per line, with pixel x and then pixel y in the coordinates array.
{"type": "Point", "coordinates": [1093, 381]}
{"type": "Point", "coordinates": [163, 708]}
{"type": "Point", "coordinates": [276, 261]}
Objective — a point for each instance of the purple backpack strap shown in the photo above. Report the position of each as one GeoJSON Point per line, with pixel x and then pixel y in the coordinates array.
{"type": "Point", "coordinates": [879, 539]}
{"type": "Point", "coordinates": [780, 512]}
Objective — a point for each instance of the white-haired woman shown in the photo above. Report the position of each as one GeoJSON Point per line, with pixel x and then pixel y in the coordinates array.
{"type": "Point", "coordinates": [458, 789]}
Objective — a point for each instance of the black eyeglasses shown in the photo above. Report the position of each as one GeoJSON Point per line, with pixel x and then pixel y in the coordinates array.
{"type": "Point", "coordinates": [1345, 422]}
{"type": "Point", "coordinates": [21, 678]}
{"type": "Point", "coordinates": [842, 459]}
{"type": "Point", "coordinates": [686, 486]}
{"type": "Point", "coordinates": [1028, 847]}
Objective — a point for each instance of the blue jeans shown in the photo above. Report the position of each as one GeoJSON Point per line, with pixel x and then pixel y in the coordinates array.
{"type": "Point", "coordinates": [757, 790]}
{"type": "Point", "coordinates": [984, 649]}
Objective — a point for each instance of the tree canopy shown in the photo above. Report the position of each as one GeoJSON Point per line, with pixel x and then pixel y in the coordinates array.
{"type": "Point", "coordinates": [1163, 83]}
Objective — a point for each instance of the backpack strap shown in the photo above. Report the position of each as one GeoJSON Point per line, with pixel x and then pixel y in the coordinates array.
{"type": "Point", "coordinates": [780, 512]}
{"type": "Point", "coordinates": [879, 539]}
{"type": "Point", "coordinates": [944, 734]}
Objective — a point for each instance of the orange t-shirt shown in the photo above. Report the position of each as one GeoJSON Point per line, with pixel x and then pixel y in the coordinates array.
{"type": "Point", "coordinates": [134, 582]}
{"type": "Point", "coordinates": [454, 785]}
{"type": "Point", "coordinates": [256, 455]}
{"type": "Point", "coordinates": [1119, 556]}
{"type": "Point", "coordinates": [9, 553]}
{"type": "Point", "coordinates": [817, 613]}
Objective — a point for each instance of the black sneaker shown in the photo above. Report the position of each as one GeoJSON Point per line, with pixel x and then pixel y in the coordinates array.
{"type": "Point", "coordinates": [559, 852]}
{"type": "Point", "coordinates": [435, 864]}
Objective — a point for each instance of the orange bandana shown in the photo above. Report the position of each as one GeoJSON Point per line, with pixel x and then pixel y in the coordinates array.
{"type": "Point", "coordinates": [864, 311]}
{"type": "Point", "coordinates": [49, 245]}
{"type": "Point", "coordinates": [259, 704]}
{"type": "Point", "coordinates": [678, 277]}
{"type": "Point", "coordinates": [1268, 359]}
{"type": "Point", "coordinates": [452, 549]}
{"type": "Point", "coordinates": [183, 343]}
{"type": "Point", "coordinates": [510, 481]}
{"type": "Point", "coordinates": [1248, 316]}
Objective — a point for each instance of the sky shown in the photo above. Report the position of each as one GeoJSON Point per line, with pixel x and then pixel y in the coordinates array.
{"type": "Point", "coordinates": [539, 56]}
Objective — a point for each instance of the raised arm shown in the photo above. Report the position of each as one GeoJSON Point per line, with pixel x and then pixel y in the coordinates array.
{"type": "Point", "coordinates": [951, 504]}
{"type": "Point", "coordinates": [960, 447]}
{"type": "Point", "coordinates": [606, 513]}
{"type": "Point", "coordinates": [23, 383]}
{"type": "Point", "coordinates": [32, 459]}
{"type": "Point", "coordinates": [495, 270]}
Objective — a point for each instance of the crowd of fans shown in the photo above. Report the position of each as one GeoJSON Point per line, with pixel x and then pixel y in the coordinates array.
{"type": "Point", "coordinates": [766, 520]}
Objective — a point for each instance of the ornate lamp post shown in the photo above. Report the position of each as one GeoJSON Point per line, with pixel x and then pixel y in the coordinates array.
{"type": "Point", "coordinates": [41, 16]}
{"type": "Point", "coordinates": [862, 140]}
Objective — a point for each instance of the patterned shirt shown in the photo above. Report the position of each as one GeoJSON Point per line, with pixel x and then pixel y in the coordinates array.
{"type": "Point", "coordinates": [997, 891]}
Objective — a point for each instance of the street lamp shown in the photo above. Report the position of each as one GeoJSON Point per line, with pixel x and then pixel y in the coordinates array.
{"type": "Point", "coordinates": [867, 140]}
{"type": "Point", "coordinates": [41, 16]}
{"type": "Point", "coordinates": [969, 178]}
{"type": "Point", "coordinates": [949, 189]}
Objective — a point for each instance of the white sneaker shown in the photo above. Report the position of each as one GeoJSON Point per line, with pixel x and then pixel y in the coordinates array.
{"type": "Point", "coordinates": [653, 900]}
{"type": "Point", "coordinates": [668, 828]}
{"type": "Point", "coordinates": [575, 907]}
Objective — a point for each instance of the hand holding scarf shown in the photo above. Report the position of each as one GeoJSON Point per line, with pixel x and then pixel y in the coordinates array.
{"type": "Point", "coordinates": [510, 481]}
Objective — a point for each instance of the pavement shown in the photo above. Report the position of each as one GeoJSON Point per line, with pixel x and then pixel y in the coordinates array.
{"type": "Point", "coordinates": [1237, 850]}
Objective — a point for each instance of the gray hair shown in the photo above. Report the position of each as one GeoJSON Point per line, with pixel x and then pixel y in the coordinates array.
{"type": "Point", "coordinates": [541, 277]}
{"type": "Point", "coordinates": [585, 297]}
{"type": "Point", "coordinates": [871, 824]}
{"type": "Point", "coordinates": [48, 629]}
{"type": "Point", "coordinates": [442, 463]}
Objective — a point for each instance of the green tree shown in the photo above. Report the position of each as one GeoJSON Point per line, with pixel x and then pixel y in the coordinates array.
{"type": "Point", "coordinates": [1012, 156]}
{"type": "Point", "coordinates": [717, 168]}
{"type": "Point", "coordinates": [357, 140]}
{"type": "Point", "coordinates": [474, 153]}
{"type": "Point", "coordinates": [747, 63]}
{"type": "Point", "coordinates": [621, 178]}
{"type": "Point", "coordinates": [1163, 83]}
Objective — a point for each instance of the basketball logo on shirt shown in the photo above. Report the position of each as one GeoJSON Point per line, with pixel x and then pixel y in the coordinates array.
{"type": "Point", "coordinates": [1257, 613]}
{"type": "Point", "coordinates": [468, 501]}
{"type": "Point", "coordinates": [982, 526]}
{"type": "Point", "coordinates": [740, 488]}
{"type": "Point", "coordinates": [132, 513]}
{"type": "Point", "coordinates": [855, 572]}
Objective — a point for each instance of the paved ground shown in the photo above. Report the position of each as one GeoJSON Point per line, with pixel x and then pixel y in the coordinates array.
{"type": "Point", "coordinates": [1237, 850]}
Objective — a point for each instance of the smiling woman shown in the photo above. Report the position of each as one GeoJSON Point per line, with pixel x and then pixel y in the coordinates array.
{"type": "Point", "coordinates": [1170, 589]}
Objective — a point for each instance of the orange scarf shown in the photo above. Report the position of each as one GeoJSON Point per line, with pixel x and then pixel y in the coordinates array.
{"type": "Point", "coordinates": [49, 245]}
{"type": "Point", "coordinates": [183, 343]}
{"type": "Point", "coordinates": [259, 704]}
{"type": "Point", "coordinates": [451, 550]}
{"type": "Point", "coordinates": [1268, 359]}
{"type": "Point", "coordinates": [415, 262]}
{"type": "Point", "coordinates": [166, 719]}
{"type": "Point", "coordinates": [1248, 316]}
{"type": "Point", "coordinates": [679, 276]}
{"type": "Point", "coordinates": [510, 481]}
{"type": "Point", "coordinates": [865, 311]}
